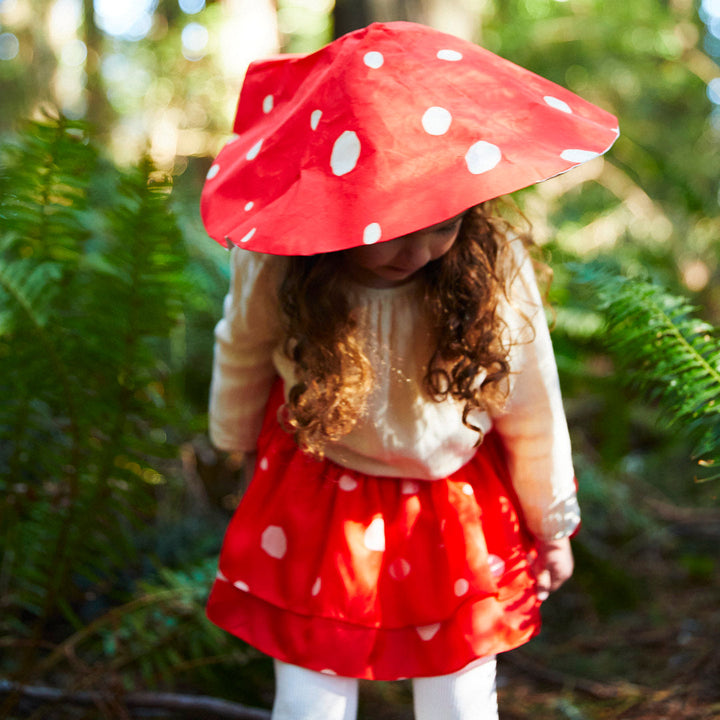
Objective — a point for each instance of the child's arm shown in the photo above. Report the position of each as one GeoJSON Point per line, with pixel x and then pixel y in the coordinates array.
{"type": "Point", "coordinates": [243, 371]}
{"type": "Point", "coordinates": [534, 429]}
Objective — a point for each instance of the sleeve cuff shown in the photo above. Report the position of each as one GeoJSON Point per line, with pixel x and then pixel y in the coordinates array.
{"type": "Point", "coordinates": [559, 521]}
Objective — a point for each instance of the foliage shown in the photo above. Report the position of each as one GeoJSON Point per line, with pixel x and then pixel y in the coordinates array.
{"type": "Point", "coordinates": [91, 291]}
{"type": "Point", "coordinates": [653, 200]}
{"type": "Point", "coordinates": [667, 351]}
{"type": "Point", "coordinates": [155, 637]}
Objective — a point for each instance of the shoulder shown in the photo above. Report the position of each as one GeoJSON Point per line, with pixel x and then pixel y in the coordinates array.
{"type": "Point", "coordinates": [253, 299]}
{"type": "Point", "coordinates": [521, 305]}
{"type": "Point", "coordinates": [256, 273]}
{"type": "Point", "coordinates": [518, 273]}
{"type": "Point", "coordinates": [256, 266]}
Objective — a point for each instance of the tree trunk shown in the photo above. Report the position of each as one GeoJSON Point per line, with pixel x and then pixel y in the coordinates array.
{"type": "Point", "coordinates": [98, 114]}
{"type": "Point", "coordinates": [454, 18]}
{"type": "Point", "coordinates": [349, 15]}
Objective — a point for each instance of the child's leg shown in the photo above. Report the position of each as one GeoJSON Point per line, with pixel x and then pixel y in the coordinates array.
{"type": "Point", "coordinates": [469, 694]}
{"type": "Point", "coordinates": [302, 694]}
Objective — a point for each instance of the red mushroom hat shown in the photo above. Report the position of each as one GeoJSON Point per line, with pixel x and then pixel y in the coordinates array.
{"type": "Point", "coordinates": [386, 130]}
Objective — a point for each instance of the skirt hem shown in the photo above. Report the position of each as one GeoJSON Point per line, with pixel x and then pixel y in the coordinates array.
{"type": "Point", "coordinates": [479, 629]}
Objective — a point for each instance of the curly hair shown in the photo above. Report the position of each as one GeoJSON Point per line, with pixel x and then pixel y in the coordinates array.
{"type": "Point", "coordinates": [462, 291]}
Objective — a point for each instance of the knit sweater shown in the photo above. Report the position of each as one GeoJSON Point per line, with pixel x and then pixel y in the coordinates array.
{"type": "Point", "coordinates": [403, 432]}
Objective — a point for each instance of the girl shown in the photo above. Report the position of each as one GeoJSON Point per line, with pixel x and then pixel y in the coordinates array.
{"type": "Point", "coordinates": [384, 356]}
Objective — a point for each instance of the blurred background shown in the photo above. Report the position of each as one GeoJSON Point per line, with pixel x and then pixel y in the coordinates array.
{"type": "Point", "coordinates": [114, 503]}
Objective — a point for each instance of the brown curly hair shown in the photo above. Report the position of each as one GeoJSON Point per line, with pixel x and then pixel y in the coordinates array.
{"type": "Point", "coordinates": [462, 290]}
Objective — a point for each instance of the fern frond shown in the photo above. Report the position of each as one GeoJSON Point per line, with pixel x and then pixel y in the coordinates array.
{"type": "Point", "coordinates": [45, 176]}
{"type": "Point", "coordinates": [666, 350]}
{"type": "Point", "coordinates": [156, 635]}
{"type": "Point", "coordinates": [30, 287]}
{"type": "Point", "coordinates": [89, 294]}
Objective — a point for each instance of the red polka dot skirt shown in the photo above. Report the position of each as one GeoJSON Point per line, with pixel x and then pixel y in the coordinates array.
{"type": "Point", "coordinates": [375, 577]}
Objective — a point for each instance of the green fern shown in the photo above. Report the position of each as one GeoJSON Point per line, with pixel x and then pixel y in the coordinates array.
{"type": "Point", "coordinates": [666, 351]}
{"type": "Point", "coordinates": [45, 176]}
{"type": "Point", "coordinates": [91, 292]}
{"type": "Point", "coordinates": [160, 634]}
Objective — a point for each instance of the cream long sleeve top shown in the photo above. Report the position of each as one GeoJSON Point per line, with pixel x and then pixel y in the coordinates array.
{"type": "Point", "coordinates": [403, 432]}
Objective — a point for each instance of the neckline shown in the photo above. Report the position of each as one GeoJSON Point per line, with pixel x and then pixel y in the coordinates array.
{"type": "Point", "coordinates": [396, 290]}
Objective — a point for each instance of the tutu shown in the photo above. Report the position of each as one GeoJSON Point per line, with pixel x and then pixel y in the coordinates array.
{"type": "Point", "coordinates": [375, 577]}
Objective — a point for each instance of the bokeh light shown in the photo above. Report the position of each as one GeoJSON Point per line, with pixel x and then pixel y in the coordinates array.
{"type": "Point", "coordinates": [710, 8]}
{"type": "Point", "coordinates": [130, 20]}
{"type": "Point", "coordinates": [127, 81]}
{"type": "Point", "coordinates": [73, 53]}
{"type": "Point", "coordinates": [713, 91]}
{"type": "Point", "coordinates": [64, 20]}
{"type": "Point", "coordinates": [9, 46]}
{"type": "Point", "coordinates": [710, 14]}
{"type": "Point", "coordinates": [191, 7]}
{"type": "Point", "coordinates": [194, 40]}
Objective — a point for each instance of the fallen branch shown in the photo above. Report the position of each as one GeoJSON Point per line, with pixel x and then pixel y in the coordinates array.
{"type": "Point", "coordinates": [599, 690]}
{"type": "Point", "coordinates": [702, 520]}
{"type": "Point", "coordinates": [195, 705]}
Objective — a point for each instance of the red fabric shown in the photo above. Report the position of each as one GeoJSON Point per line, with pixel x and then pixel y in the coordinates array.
{"type": "Point", "coordinates": [375, 577]}
{"type": "Point", "coordinates": [349, 145]}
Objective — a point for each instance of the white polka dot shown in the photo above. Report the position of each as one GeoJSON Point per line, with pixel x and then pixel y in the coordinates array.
{"type": "Point", "coordinates": [240, 585]}
{"type": "Point", "coordinates": [345, 153]}
{"type": "Point", "coordinates": [461, 587]}
{"type": "Point", "coordinates": [467, 489]}
{"type": "Point", "coordinates": [399, 569]}
{"type": "Point", "coordinates": [347, 483]}
{"type": "Point", "coordinates": [315, 118]}
{"type": "Point", "coordinates": [254, 151]}
{"type": "Point", "coordinates": [213, 171]}
{"type": "Point", "coordinates": [436, 120]}
{"type": "Point", "coordinates": [557, 103]}
{"type": "Point", "coordinates": [327, 671]}
{"type": "Point", "coordinates": [452, 55]}
{"type": "Point", "coordinates": [375, 535]}
{"type": "Point", "coordinates": [248, 236]}
{"type": "Point", "coordinates": [410, 487]}
{"type": "Point", "coordinates": [264, 464]}
{"type": "Point", "coordinates": [249, 206]}
{"type": "Point", "coordinates": [482, 156]}
{"type": "Point", "coordinates": [578, 156]}
{"type": "Point", "coordinates": [220, 576]}
{"type": "Point", "coordinates": [268, 103]}
{"type": "Point", "coordinates": [428, 632]}
{"type": "Point", "coordinates": [274, 542]}
{"type": "Point", "coordinates": [373, 59]}
{"type": "Point", "coordinates": [497, 565]}
{"type": "Point", "coordinates": [316, 588]}
{"type": "Point", "coordinates": [372, 233]}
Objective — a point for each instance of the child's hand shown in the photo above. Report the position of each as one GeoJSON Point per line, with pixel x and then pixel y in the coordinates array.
{"type": "Point", "coordinates": [553, 565]}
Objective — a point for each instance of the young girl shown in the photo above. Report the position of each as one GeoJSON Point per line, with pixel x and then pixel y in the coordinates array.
{"type": "Point", "coordinates": [384, 362]}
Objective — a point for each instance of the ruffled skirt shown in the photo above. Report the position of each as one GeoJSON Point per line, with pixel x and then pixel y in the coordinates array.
{"type": "Point", "coordinates": [375, 577]}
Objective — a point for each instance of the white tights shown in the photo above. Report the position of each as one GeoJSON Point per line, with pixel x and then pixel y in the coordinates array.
{"type": "Point", "coordinates": [307, 695]}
